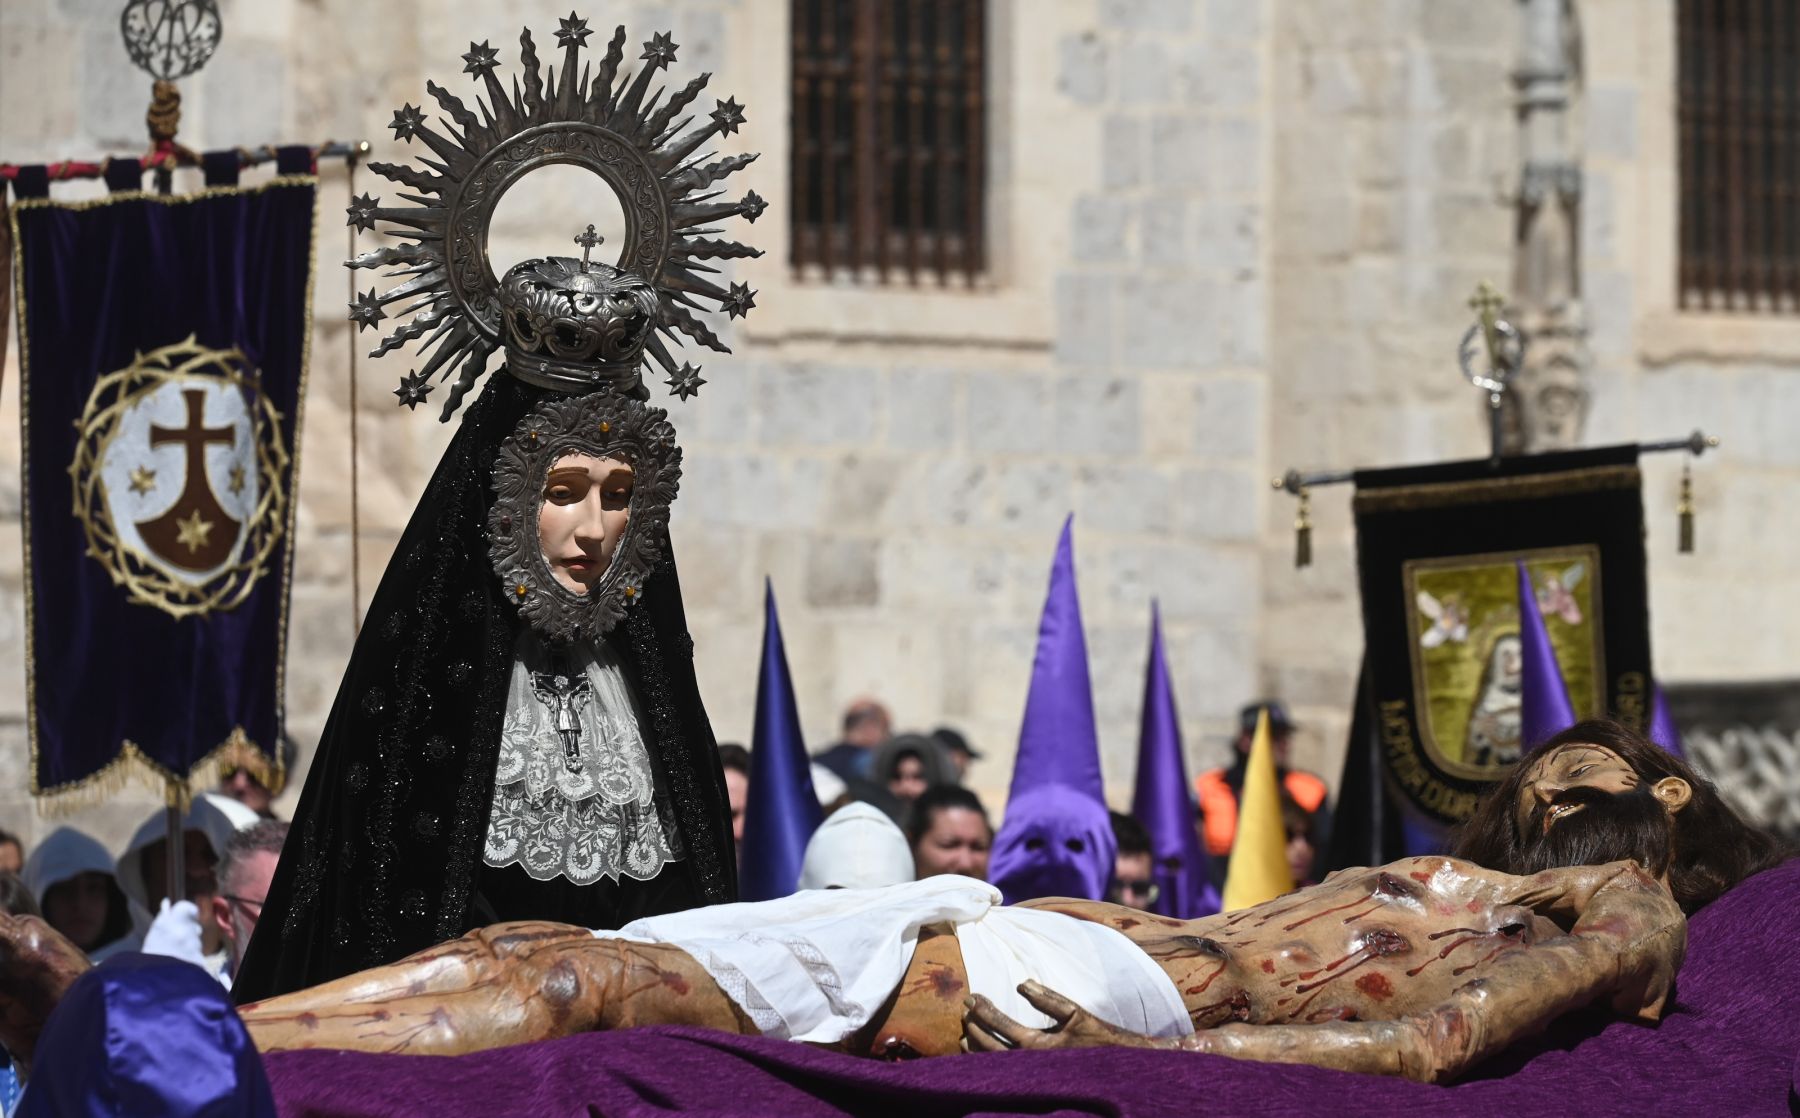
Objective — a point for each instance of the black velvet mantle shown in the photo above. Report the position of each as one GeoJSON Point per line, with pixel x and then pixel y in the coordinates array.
{"type": "Point", "coordinates": [385, 854]}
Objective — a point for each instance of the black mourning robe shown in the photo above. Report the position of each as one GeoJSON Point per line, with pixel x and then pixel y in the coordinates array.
{"type": "Point", "coordinates": [385, 855]}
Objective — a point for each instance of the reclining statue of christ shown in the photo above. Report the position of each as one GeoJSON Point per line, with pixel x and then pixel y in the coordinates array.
{"type": "Point", "coordinates": [1571, 888]}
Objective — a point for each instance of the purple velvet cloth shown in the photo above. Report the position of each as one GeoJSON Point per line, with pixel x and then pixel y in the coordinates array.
{"type": "Point", "coordinates": [1728, 1047]}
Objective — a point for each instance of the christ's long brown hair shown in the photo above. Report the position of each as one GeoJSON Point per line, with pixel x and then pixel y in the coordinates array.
{"type": "Point", "coordinates": [1714, 848]}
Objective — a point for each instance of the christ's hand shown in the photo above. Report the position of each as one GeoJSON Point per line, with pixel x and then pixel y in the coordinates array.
{"type": "Point", "coordinates": [987, 1029]}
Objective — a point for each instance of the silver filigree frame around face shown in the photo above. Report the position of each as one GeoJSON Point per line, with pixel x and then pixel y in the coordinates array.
{"type": "Point", "coordinates": [606, 425]}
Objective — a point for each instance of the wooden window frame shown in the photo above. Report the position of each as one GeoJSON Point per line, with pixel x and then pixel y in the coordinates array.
{"type": "Point", "coordinates": [1738, 135]}
{"type": "Point", "coordinates": [866, 115]}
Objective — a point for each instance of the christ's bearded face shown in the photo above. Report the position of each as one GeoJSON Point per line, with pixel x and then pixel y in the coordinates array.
{"type": "Point", "coordinates": [1571, 766]}
{"type": "Point", "coordinates": [1582, 804]}
{"type": "Point", "coordinates": [587, 502]}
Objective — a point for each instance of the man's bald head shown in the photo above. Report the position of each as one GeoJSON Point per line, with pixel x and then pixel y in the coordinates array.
{"type": "Point", "coordinates": [866, 723]}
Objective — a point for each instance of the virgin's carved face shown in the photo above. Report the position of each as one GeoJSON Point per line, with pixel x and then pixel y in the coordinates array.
{"type": "Point", "coordinates": [587, 501]}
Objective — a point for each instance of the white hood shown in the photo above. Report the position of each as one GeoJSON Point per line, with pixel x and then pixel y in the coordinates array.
{"type": "Point", "coordinates": [65, 853]}
{"type": "Point", "coordinates": [857, 847]}
{"type": "Point", "coordinates": [216, 817]}
{"type": "Point", "coordinates": [61, 856]}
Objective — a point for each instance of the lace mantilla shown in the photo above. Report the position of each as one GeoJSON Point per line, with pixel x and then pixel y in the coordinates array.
{"type": "Point", "coordinates": [574, 792]}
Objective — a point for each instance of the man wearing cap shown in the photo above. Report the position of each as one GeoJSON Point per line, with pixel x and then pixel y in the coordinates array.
{"type": "Point", "coordinates": [1218, 789]}
{"type": "Point", "coordinates": [961, 752]}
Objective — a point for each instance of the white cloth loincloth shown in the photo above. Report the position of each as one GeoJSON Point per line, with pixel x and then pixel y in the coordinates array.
{"type": "Point", "coordinates": [816, 966]}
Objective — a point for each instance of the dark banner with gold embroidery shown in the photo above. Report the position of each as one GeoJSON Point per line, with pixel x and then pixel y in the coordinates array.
{"type": "Point", "coordinates": [1438, 549]}
{"type": "Point", "coordinates": [163, 346]}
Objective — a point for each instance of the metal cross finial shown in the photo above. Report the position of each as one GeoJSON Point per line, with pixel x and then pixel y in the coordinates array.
{"type": "Point", "coordinates": [587, 241]}
{"type": "Point", "coordinates": [1487, 303]}
{"type": "Point", "coordinates": [1505, 355]}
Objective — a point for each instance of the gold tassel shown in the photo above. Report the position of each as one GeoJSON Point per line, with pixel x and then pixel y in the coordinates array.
{"type": "Point", "coordinates": [1684, 509]}
{"type": "Point", "coordinates": [1303, 532]}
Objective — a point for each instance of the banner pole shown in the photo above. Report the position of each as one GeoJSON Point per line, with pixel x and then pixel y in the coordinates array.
{"type": "Point", "coordinates": [176, 857]}
{"type": "Point", "coordinates": [355, 522]}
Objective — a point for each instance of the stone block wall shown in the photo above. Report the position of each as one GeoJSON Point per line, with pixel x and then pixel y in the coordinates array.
{"type": "Point", "coordinates": [1394, 150]}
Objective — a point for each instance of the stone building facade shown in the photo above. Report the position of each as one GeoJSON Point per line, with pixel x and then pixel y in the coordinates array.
{"type": "Point", "coordinates": [1227, 237]}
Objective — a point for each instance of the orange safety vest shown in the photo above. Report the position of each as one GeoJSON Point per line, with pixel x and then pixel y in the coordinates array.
{"type": "Point", "coordinates": [1219, 807]}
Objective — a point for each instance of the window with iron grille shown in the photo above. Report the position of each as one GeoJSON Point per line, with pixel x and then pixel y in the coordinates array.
{"type": "Point", "coordinates": [888, 138]}
{"type": "Point", "coordinates": [1739, 120]}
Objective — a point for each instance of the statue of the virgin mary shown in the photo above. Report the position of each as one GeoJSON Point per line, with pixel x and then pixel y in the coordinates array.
{"type": "Point", "coordinates": [518, 734]}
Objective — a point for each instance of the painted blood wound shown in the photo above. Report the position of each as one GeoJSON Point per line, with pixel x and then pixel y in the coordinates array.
{"type": "Point", "coordinates": [1483, 961]}
{"type": "Point", "coordinates": [674, 982]}
{"type": "Point", "coordinates": [1376, 986]}
{"type": "Point", "coordinates": [1325, 912]}
{"type": "Point", "coordinates": [945, 983]}
{"type": "Point", "coordinates": [1200, 988]}
{"type": "Point", "coordinates": [1268, 966]}
{"type": "Point", "coordinates": [1445, 953]}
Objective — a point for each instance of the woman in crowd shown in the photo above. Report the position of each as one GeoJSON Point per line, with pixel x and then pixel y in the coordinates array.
{"type": "Point", "coordinates": [70, 876]}
{"type": "Point", "coordinates": [909, 764]}
{"type": "Point", "coordinates": [949, 832]}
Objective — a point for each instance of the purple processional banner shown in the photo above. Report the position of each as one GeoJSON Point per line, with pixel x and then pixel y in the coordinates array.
{"type": "Point", "coordinates": [163, 348]}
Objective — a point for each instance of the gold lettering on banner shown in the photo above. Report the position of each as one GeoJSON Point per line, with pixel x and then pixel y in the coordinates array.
{"type": "Point", "coordinates": [1631, 700]}
{"type": "Point", "coordinates": [1411, 772]}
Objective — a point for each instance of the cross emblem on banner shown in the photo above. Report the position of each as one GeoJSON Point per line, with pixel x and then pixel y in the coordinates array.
{"type": "Point", "coordinates": [185, 535]}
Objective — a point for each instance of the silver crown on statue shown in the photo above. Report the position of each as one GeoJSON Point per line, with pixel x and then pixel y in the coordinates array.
{"type": "Point", "coordinates": [576, 325]}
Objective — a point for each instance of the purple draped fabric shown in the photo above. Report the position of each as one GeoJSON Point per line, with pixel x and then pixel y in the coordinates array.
{"type": "Point", "coordinates": [1544, 707]}
{"type": "Point", "coordinates": [1727, 1047]}
{"type": "Point", "coordinates": [781, 811]}
{"type": "Point", "coordinates": [150, 1037]}
{"type": "Point", "coordinates": [1162, 801]}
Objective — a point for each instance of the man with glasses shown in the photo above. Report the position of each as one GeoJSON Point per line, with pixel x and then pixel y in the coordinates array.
{"type": "Point", "coordinates": [1133, 884]}
{"type": "Point", "coordinates": [245, 870]}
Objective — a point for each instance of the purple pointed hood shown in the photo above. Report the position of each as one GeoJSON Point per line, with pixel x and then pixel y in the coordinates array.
{"type": "Point", "coordinates": [1544, 707]}
{"type": "Point", "coordinates": [1162, 802]}
{"type": "Point", "coordinates": [1058, 743]}
{"type": "Point", "coordinates": [1663, 730]}
{"type": "Point", "coordinates": [781, 811]}
{"type": "Point", "coordinates": [1057, 835]}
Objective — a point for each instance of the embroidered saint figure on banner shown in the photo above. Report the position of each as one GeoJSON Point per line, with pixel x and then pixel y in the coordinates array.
{"type": "Point", "coordinates": [1466, 658]}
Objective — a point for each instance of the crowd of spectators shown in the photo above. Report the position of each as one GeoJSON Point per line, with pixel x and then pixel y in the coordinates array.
{"type": "Point", "coordinates": [914, 783]}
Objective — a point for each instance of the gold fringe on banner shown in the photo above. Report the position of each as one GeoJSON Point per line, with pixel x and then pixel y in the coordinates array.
{"type": "Point", "coordinates": [133, 766]}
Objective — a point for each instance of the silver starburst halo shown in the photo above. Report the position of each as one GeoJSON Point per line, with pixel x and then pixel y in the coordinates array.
{"type": "Point", "coordinates": [611, 124]}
